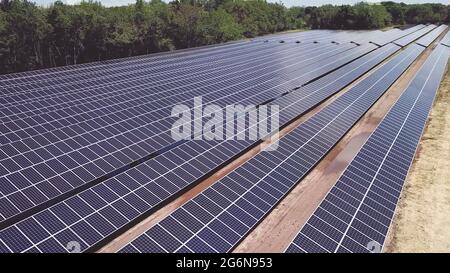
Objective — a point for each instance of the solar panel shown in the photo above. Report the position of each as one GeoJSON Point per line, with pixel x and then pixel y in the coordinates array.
{"type": "Point", "coordinates": [322, 36]}
{"type": "Point", "coordinates": [113, 75]}
{"type": "Point", "coordinates": [97, 144]}
{"type": "Point", "coordinates": [300, 35]}
{"type": "Point", "coordinates": [24, 78]}
{"type": "Point", "coordinates": [65, 72]}
{"type": "Point", "coordinates": [446, 40]}
{"type": "Point", "coordinates": [414, 36]}
{"type": "Point", "coordinates": [123, 66]}
{"type": "Point", "coordinates": [220, 216]}
{"type": "Point", "coordinates": [430, 37]}
{"type": "Point", "coordinates": [334, 36]}
{"type": "Point", "coordinates": [69, 71]}
{"type": "Point", "coordinates": [356, 214]}
{"type": "Point", "coordinates": [122, 199]}
{"type": "Point", "coordinates": [394, 34]}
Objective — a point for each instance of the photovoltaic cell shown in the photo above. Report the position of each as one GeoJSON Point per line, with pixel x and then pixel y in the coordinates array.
{"type": "Point", "coordinates": [357, 212]}
{"type": "Point", "coordinates": [251, 191]}
{"type": "Point", "coordinates": [121, 199]}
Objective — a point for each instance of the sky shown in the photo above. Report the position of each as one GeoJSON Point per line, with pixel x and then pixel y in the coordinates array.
{"type": "Point", "coordinates": [287, 3]}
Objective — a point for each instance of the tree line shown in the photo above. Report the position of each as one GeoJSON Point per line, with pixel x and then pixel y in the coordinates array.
{"type": "Point", "coordinates": [34, 37]}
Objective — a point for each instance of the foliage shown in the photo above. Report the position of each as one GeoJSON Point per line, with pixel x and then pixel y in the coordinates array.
{"type": "Point", "coordinates": [33, 37]}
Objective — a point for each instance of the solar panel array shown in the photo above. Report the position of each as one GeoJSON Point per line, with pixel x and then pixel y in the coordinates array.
{"type": "Point", "coordinates": [117, 200]}
{"type": "Point", "coordinates": [86, 150]}
{"type": "Point", "coordinates": [46, 74]}
{"type": "Point", "coordinates": [177, 56]}
{"type": "Point", "coordinates": [394, 34]}
{"type": "Point", "coordinates": [414, 36]}
{"type": "Point", "coordinates": [446, 40]}
{"type": "Point", "coordinates": [317, 36]}
{"type": "Point", "coordinates": [219, 217]}
{"type": "Point", "coordinates": [72, 146]}
{"type": "Point", "coordinates": [356, 214]}
{"type": "Point", "coordinates": [430, 37]}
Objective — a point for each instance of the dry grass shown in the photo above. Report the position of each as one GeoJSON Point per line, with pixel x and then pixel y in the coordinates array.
{"type": "Point", "coordinates": [422, 223]}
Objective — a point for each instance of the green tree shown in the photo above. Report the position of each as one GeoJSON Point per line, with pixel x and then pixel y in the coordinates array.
{"type": "Point", "coordinates": [397, 11]}
{"type": "Point", "coordinates": [419, 14]}
{"type": "Point", "coordinates": [58, 35]}
{"type": "Point", "coordinates": [33, 37]}
{"type": "Point", "coordinates": [218, 26]}
{"type": "Point", "coordinates": [345, 18]}
{"type": "Point", "coordinates": [4, 44]}
{"type": "Point", "coordinates": [324, 17]}
{"type": "Point", "coordinates": [297, 18]}
{"type": "Point", "coordinates": [25, 28]}
{"type": "Point", "coordinates": [371, 16]}
{"type": "Point", "coordinates": [184, 19]}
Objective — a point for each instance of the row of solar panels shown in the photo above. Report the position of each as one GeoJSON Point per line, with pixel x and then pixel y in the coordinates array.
{"type": "Point", "coordinates": [82, 148]}
{"type": "Point", "coordinates": [115, 203]}
{"type": "Point", "coordinates": [218, 218]}
{"type": "Point", "coordinates": [356, 214]}
{"type": "Point", "coordinates": [430, 37]}
{"type": "Point", "coordinates": [109, 74]}
{"type": "Point", "coordinates": [176, 69]}
{"type": "Point", "coordinates": [168, 59]}
{"type": "Point", "coordinates": [446, 40]}
{"type": "Point", "coordinates": [108, 66]}
{"type": "Point", "coordinates": [49, 142]}
{"type": "Point", "coordinates": [395, 34]}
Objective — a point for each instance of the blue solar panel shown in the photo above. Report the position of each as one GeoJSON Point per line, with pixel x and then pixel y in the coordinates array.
{"type": "Point", "coordinates": [414, 36]}
{"type": "Point", "coordinates": [127, 69]}
{"type": "Point", "coordinates": [394, 34]}
{"type": "Point", "coordinates": [24, 79]}
{"type": "Point", "coordinates": [430, 37]}
{"type": "Point", "coordinates": [119, 200]}
{"type": "Point", "coordinates": [236, 203]}
{"type": "Point", "coordinates": [319, 36]}
{"type": "Point", "coordinates": [357, 212]}
{"type": "Point", "coordinates": [446, 40]}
